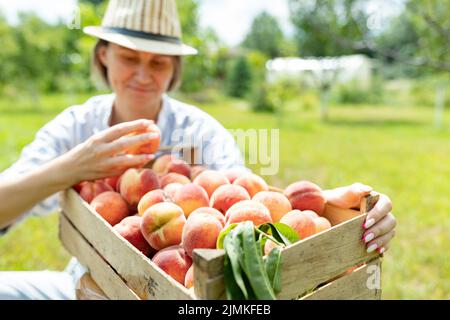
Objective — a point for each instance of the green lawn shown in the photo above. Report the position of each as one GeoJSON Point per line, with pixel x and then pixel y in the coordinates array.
{"type": "Point", "coordinates": [396, 150]}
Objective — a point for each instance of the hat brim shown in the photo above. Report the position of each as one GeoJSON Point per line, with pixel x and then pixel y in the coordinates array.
{"type": "Point", "coordinates": [140, 44]}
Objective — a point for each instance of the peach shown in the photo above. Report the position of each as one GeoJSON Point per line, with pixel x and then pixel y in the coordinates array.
{"type": "Point", "coordinates": [135, 183]}
{"type": "Point", "coordinates": [174, 261]}
{"type": "Point", "coordinates": [190, 197]}
{"type": "Point", "coordinates": [269, 246]}
{"type": "Point", "coordinates": [322, 224]}
{"type": "Point", "coordinates": [305, 195]}
{"type": "Point", "coordinates": [252, 183]}
{"type": "Point", "coordinates": [196, 170]}
{"type": "Point", "coordinates": [189, 279]}
{"type": "Point", "coordinates": [111, 206]}
{"type": "Point", "coordinates": [77, 187]}
{"type": "Point", "coordinates": [210, 180]}
{"type": "Point", "coordinates": [234, 173]}
{"type": "Point", "coordinates": [91, 189]}
{"type": "Point", "coordinates": [248, 210]}
{"type": "Point", "coordinates": [276, 202]}
{"type": "Point", "coordinates": [211, 211]}
{"type": "Point", "coordinates": [161, 163]}
{"type": "Point", "coordinates": [162, 225]}
{"type": "Point", "coordinates": [200, 231]}
{"type": "Point", "coordinates": [173, 177]}
{"type": "Point", "coordinates": [227, 195]}
{"type": "Point", "coordinates": [303, 224]}
{"type": "Point", "coordinates": [113, 182]}
{"type": "Point", "coordinates": [311, 214]}
{"type": "Point", "coordinates": [179, 166]}
{"type": "Point", "coordinates": [171, 189]}
{"type": "Point", "coordinates": [149, 199]}
{"type": "Point", "coordinates": [130, 229]}
{"type": "Point", "coordinates": [151, 146]}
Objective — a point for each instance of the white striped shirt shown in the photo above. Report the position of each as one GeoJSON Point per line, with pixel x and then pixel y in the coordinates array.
{"type": "Point", "coordinates": [176, 120]}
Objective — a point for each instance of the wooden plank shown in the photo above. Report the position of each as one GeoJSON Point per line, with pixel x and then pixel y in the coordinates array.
{"type": "Point", "coordinates": [139, 272]}
{"type": "Point", "coordinates": [353, 286]}
{"type": "Point", "coordinates": [306, 264]}
{"type": "Point", "coordinates": [106, 278]}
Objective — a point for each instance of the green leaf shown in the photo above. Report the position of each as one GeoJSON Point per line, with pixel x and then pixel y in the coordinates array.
{"type": "Point", "coordinates": [223, 234]}
{"type": "Point", "coordinates": [233, 249]}
{"type": "Point", "coordinates": [285, 233]}
{"type": "Point", "coordinates": [232, 289]}
{"type": "Point", "coordinates": [273, 267]}
{"type": "Point", "coordinates": [254, 266]}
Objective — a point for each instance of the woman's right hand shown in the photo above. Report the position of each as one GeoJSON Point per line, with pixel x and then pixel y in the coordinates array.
{"type": "Point", "coordinates": [102, 155]}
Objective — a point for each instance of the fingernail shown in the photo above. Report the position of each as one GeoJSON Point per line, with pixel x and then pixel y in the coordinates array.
{"type": "Point", "coordinates": [372, 247]}
{"type": "Point", "coordinates": [382, 250]}
{"type": "Point", "coordinates": [151, 135]}
{"type": "Point", "coordinates": [369, 237]}
{"type": "Point", "coordinates": [369, 223]}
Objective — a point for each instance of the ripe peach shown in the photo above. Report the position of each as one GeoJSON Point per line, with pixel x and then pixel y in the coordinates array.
{"type": "Point", "coordinates": [179, 166]}
{"type": "Point", "coordinates": [189, 279]}
{"type": "Point", "coordinates": [161, 163]}
{"type": "Point", "coordinates": [248, 210]}
{"type": "Point", "coordinates": [252, 183]}
{"type": "Point", "coordinates": [210, 180]}
{"type": "Point", "coordinates": [77, 187]}
{"type": "Point", "coordinates": [311, 214]}
{"type": "Point", "coordinates": [269, 246]}
{"type": "Point", "coordinates": [130, 229]}
{"type": "Point", "coordinates": [303, 224]}
{"type": "Point", "coordinates": [322, 224]}
{"type": "Point", "coordinates": [305, 195]}
{"type": "Point", "coordinates": [111, 206]}
{"type": "Point", "coordinates": [234, 173]}
{"type": "Point", "coordinates": [227, 195]}
{"type": "Point", "coordinates": [90, 189]}
{"type": "Point", "coordinates": [196, 170]}
{"type": "Point", "coordinates": [190, 197]}
{"type": "Point", "coordinates": [149, 199]}
{"type": "Point", "coordinates": [171, 189]}
{"type": "Point", "coordinates": [162, 225]}
{"type": "Point", "coordinates": [174, 261]}
{"type": "Point", "coordinates": [113, 182]}
{"type": "Point", "coordinates": [211, 211]}
{"type": "Point", "coordinates": [135, 183]}
{"type": "Point", "coordinates": [200, 231]}
{"type": "Point", "coordinates": [173, 177]}
{"type": "Point", "coordinates": [276, 202]}
{"type": "Point", "coordinates": [151, 146]}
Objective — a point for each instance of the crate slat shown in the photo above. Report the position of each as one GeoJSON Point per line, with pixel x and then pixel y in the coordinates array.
{"type": "Point", "coordinates": [106, 278]}
{"type": "Point", "coordinates": [353, 286]}
{"type": "Point", "coordinates": [139, 272]}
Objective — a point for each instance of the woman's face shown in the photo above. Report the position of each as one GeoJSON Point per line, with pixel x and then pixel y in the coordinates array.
{"type": "Point", "coordinates": [138, 78]}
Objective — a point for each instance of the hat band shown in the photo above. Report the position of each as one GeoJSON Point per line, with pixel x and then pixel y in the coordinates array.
{"type": "Point", "coordinates": [143, 35]}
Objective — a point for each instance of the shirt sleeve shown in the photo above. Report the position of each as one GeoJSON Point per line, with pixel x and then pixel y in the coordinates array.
{"type": "Point", "coordinates": [51, 141]}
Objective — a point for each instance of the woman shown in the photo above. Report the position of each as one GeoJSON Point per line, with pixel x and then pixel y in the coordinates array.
{"type": "Point", "coordinates": [138, 55]}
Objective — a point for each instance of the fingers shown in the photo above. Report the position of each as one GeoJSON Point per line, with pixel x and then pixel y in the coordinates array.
{"type": "Point", "coordinates": [123, 162]}
{"type": "Point", "coordinates": [122, 129]}
{"type": "Point", "coordinates": [347, 197]}
{"type": "Point", "coordinates": [380, 244]}
{"type": "Point", "coordinates": [381, 233]}
{"type": "Point", "coordinates": [123, 143]}
{"type": "Point", "coordinates": [382, 208]}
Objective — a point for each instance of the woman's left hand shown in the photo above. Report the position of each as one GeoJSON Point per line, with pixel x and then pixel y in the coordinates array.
{"type": "Point", "coordinates": [380, 222]}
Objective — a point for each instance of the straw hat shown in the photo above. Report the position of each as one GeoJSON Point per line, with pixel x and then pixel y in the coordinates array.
{"type": "Point", "coordinates": [144, 25]}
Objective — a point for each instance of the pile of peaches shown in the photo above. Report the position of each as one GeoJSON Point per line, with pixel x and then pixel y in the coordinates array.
{"type": "Point", "coordinates": [173, 208]}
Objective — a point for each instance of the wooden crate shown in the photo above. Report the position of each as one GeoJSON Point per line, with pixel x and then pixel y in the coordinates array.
{"type": "Point", "coordinates": [314, 268]}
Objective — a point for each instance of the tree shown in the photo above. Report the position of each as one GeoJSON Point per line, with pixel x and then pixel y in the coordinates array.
{"type": "Point", "coordinates": [328, 27]}
{"type": "Point", "coordinates": [265, 35]}
{"type": "Point", "coordinates": [239, 79]}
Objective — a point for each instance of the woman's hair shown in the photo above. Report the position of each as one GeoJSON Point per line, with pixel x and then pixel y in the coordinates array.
{"type": "Point", "coordinates": [99, 72]}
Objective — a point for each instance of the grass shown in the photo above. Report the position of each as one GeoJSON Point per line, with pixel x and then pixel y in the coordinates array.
{"type": "Point", "coordinates": [395, 150]}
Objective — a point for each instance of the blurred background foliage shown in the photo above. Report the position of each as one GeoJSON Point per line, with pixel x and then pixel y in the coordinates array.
{"type": "Point", "coordinates": [392, 134]}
